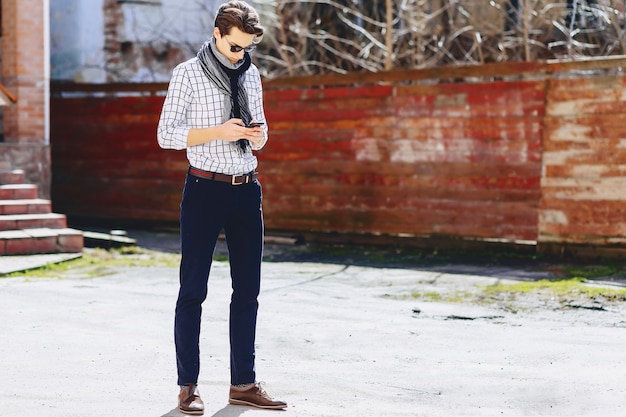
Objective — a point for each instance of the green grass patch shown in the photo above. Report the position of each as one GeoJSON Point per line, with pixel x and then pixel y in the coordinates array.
{"type": "Point", "coordinates": [571, 288]}
{"type": "Point", "coordinates": [432, 296]}
{"type": "Point", "coordinates": [594, 271]}
{"type": "Point", "coordinates": [437, 297]}
{"type": "Point", "coordinates": [101, 262]}
{"type": "Point", "coordinates": [515, 296]}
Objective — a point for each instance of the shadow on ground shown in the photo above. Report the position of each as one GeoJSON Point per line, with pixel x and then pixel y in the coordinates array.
{"type": "Point", "coordinates": [491, 263]}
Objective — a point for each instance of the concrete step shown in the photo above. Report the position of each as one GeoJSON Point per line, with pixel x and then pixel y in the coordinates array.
{"type": "Point", "coordinates": [113, 239]}
{"type": "Point", "coordinates": [18, 191]}
{"type": "Point", "coordinates": [16, 176]}
{"type": "Point", "coordinates": [25, 206]}
{"type": "Point", "coordinates": [32, 241]}
{"type": "Point", "coordinates": [32, 221]}
{"type": "Point", "coordinates": [27, 224]}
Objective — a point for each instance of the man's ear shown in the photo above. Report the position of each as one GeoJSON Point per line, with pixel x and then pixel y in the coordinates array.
{"type": "Point", "coordinates": [216, 33]}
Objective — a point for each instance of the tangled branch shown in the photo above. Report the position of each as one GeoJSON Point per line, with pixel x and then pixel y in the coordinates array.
{"type": "Point", "coordinates": [321, 36]}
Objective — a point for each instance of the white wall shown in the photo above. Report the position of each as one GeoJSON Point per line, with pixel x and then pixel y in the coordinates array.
{"type": "Point", "coordinates": [77, 35]}
{"type": "Point", "coordinates": [77, 40]}
{"type": "Point", "coordinates": [188, 21]}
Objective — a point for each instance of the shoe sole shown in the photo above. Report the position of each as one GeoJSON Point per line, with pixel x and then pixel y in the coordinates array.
{"type": "Point", "coordinates": [193, 413]}
{"type": "Point", "coordinates": [265, 407]}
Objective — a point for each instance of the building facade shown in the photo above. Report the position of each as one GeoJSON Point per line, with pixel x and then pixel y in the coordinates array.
{"type": "Point", "coordinates": [25, 73]}
{"type": "Point", "coordinates": [99, 41]}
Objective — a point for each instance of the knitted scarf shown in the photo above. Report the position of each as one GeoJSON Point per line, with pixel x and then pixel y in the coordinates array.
{"type": "Point", "coordinates": [229, 78]}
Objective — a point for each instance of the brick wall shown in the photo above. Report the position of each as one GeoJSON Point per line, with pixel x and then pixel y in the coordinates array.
{"type": "Point", "coordinates": [23, 73]}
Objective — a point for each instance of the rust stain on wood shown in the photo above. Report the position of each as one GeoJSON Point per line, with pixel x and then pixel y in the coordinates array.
{"type": "Point", "coordinates": [584, 162]}
{"type": "Point", "coordinates": [516, 160]}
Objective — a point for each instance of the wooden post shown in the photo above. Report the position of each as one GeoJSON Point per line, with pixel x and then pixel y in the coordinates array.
{"type": "Point", "coordinates": [526, 29]}
{"type": "Point", "coordinates": [388, 36]}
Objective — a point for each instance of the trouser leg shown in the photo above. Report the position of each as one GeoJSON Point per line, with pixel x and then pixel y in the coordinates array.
{"type": "Point", "coordinates": [244, 236]}
{"type": "Point", "coordinates": [200, 224]}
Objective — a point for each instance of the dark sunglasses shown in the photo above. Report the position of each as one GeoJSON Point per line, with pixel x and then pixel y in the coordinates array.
{"type": "Point", "coordinates": [236, 48]}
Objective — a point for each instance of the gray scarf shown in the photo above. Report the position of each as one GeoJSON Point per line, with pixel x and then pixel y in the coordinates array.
{"type": "Point", "coordinates": [229, 78]}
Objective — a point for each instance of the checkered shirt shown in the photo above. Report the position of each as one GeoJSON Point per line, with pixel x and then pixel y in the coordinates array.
{"type": "Point", "coordinates": [193, 101]}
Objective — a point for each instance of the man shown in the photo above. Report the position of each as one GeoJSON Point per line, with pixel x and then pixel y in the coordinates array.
{"type": "Point", "coordinates": [211, 103]}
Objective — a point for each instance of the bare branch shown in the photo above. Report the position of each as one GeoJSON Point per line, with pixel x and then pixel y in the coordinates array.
{"type": "Point", "coordinates": [305, 37]}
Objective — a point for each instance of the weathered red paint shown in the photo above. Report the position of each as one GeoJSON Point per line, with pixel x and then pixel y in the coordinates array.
{"type": "Point", "coordinates": [453, 159]}
{"type": "Point", "coordinates": [583, 199]}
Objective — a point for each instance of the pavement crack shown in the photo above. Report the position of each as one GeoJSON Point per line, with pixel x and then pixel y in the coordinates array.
{"type": "Point", "coordinates": [587, 307]}
{"type": "Point", "coordinates": [410, 389]}
{"type": "Point", "coordinates": [434, 280]}
{"type": "Point", "coordinates": [308, 281]}
{"type": "Point", "coordinates": [457, 317]}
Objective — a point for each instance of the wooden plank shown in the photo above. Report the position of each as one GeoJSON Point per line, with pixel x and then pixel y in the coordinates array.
{"type": "Point", "coordinates": [598, 189]}
{"type": "Point", "coordinates": [396, 76]}
{"type": "Point", "coordinates": [597, 234]}
{"type": "Point", "coordinates": [311, 95]}
{"type": "Point", "coordinates": [416, 183]}
{"type": "Point", "coordinates": [57, 87]}
{"type": "Point", "coordinates": [480, 88]}
{"type": "Point", "coordinates": [596, 170]}
{"type": "Point", "coordinates": [586, 64]}
{"type": "Point", "coordinates": [561, 211]}
{"type": "Point", "coordinates": [392, 168]}
{"type": "Point", "coordinates": [458, 220]}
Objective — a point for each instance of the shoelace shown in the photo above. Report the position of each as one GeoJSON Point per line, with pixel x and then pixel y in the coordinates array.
{"type": "Point", "coordinates": [262, 392]}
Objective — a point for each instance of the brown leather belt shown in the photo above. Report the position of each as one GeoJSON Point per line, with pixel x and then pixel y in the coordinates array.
{"type": "Point", "coordinates": [231, 179]}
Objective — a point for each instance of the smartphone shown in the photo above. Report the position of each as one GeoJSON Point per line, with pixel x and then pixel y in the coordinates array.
{"type": "Point", "coordinates": [255, 124]}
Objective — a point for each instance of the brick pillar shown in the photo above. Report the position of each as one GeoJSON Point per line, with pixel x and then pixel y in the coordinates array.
{"type": "Point", "coordinates": [23, 72]}
{"type": "Point", "coordinates": [113, 27]}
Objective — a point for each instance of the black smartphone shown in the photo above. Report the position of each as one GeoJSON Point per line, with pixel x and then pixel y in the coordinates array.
{"type": "Point", "coordinates": [255, 124]}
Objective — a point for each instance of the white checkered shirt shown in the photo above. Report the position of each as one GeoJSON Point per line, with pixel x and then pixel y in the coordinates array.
{"type": "Point", "coordinates": [193, 101]}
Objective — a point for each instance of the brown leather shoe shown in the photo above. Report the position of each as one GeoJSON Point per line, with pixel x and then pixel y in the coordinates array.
{"type": "Point", "coordinates": [189, 401]}
{"type": "Point", "coordinates": [255, 396]}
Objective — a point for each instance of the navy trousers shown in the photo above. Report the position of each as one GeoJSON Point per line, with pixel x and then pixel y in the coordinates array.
{"type": "Point", "coordinates": [208, 207]}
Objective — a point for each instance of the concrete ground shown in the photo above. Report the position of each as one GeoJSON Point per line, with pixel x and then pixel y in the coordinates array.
{"type": "Point", "coordinates": [334, 340]}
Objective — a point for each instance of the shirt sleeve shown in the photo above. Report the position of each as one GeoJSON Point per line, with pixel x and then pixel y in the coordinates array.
{"type": "Point", "coordinates": [257, 110]}
{"type": "Point", "coordinates": [173, 127]}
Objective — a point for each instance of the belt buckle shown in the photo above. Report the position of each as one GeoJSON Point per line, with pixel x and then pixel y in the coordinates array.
{"type": "Point", "coordinates": [233, 180]}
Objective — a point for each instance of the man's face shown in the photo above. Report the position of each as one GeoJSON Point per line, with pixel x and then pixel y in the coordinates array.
{"type": "Point", "coordinates": [233, 45]}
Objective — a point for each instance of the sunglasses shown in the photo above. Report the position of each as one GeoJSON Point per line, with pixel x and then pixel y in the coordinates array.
{"type": "Point", "coordinates": [234, 48]}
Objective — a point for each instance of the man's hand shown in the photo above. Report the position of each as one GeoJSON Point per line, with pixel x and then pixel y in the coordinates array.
{"type": "Point", "coordinates": [234, 129]}
{"type": "Point", "coordinates": [257, 135]}
{"type": "Point", "coordinates": [231, 131]}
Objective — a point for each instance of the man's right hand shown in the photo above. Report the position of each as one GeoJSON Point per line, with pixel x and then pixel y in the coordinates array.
{"type": "Point", "coordinates": [231, 131]}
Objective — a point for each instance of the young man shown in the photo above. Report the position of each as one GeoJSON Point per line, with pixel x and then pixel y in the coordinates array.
{"type": "Point", "coordinates": [211, 103]}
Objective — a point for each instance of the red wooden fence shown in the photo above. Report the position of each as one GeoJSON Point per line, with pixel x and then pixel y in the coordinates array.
{"type": "Point", "coordinates": [449, 159]}
{"type": "Point", "coordinates": [583, 205]}
{"type": "Point", "coordinates": [106, 162]}
{"type": "Point", "coordinates": [460, 160]}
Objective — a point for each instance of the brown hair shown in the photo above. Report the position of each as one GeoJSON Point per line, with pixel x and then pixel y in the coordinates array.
{"type": "Point", "coordinates": [241, 15]}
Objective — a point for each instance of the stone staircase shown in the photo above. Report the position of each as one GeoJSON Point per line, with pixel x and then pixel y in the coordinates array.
{"type": "Point", "coordinates": [27, 224]}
